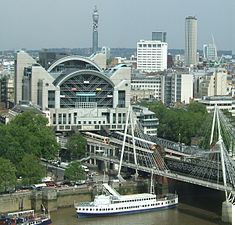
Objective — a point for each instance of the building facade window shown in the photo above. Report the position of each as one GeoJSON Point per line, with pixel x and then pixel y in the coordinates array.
{"type": "Point", "coordinates": [121, 99]}
{"type": "Point", "coordinates": [51, 99]}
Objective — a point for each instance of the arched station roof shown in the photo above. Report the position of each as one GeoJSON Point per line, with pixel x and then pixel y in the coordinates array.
{"type": "Point", "coordinates": [75, 58]}
{"type": "Point", "coordinates": [66, 76]}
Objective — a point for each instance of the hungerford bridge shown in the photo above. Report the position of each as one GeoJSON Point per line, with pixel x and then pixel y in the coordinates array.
{"type": "Point", "coordinates": [214, 168]}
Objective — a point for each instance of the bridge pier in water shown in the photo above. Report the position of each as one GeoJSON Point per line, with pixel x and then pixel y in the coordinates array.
{"type": "Point", "coordinates": [162, 184]}
{"type": "Point", "coordinates": [226, 212]}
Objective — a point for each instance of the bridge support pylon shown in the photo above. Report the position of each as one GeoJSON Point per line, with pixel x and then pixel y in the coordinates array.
{"type": "Point", "coordinates": [163, 184]}
{"type": "Point", "coordinates": [227, 212]}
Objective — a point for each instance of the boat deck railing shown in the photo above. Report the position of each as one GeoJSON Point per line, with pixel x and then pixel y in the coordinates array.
{"type": "Point", "coordinates": [166, 197]}
{"type": "Point", "coordinates": [81, 204]}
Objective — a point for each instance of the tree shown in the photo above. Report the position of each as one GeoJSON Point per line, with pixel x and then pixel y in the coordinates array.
{"type": "Point", "coordinates": [197, 107]}
{"type": "Point", "coordinates": [28, 133]}
{"type": "Point", "coordinates": [182, 124]}
{"type": "Point", "coordinates": [30, 170]}
{"type": "Point", "coordinates": [7, 175]}
{"type": "Point", "coordinates": [42, 136]}
{"type": "Point", "coordinates": [74, 171]}
{"type": "Point", "coordinates": [77, 146]}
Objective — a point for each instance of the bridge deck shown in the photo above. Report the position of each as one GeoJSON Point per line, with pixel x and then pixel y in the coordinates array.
{"type": "Point", "coordinates": [166, 174]}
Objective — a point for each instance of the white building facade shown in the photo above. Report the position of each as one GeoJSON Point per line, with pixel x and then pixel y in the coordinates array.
{"type": "Point", "coordinates": [151, 56]}
{"type": "Point", "coordinates": [222, 102]}
{"type": "Point", "coordinates": [146, 87]}
{"type": "Point", "coordinates": [213, 83]}
{"type": "Point", "coordinates": [182, 88]}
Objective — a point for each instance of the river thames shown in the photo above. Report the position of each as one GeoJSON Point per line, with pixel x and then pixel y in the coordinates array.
{"type": "Point", "coordinates": [182, 215]}
{"type": "Point", "coordinates": [197, 206]}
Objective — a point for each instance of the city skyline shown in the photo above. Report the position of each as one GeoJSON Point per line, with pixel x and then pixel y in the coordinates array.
{"type": "Point", "coordinates": [68, 24]}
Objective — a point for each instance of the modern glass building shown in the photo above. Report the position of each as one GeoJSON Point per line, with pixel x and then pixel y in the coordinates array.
{"type": "Point", "coordinates": [159, 36]}
{"type": "Point", "coordinates": [210, 52]}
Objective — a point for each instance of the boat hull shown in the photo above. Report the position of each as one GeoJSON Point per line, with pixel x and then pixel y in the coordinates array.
{"type": "Point", "coordinates": [84, 214]}
{"type": "Point", "coordinates": [46, 222]}
{"type": "Point", "coordinates": [39, 222]}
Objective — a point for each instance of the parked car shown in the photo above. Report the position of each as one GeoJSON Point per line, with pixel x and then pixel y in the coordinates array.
{"type": "Point", "coordinates": [80, 182]}
{"type": "Point", "coordinates": [85, 168]}
{"type": "Point", "coordinates": [38, 187]}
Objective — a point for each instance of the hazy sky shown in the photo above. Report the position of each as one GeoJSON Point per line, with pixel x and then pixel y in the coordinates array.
{"type": "Point", "coordinates": [36, 24]}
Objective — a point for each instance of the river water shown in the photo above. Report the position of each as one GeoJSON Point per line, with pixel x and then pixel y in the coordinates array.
{"type": "Point", "coordinates": [197, 206]}
{"type": "Point", "coordinates": [182, 215]}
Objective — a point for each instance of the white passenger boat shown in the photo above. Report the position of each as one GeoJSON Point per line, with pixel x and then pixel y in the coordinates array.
{"type": "Point", "coordinates": [113, 203]}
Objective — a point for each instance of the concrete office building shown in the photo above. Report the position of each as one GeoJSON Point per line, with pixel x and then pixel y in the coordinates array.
{"type": "Point", "coordinates": [146, 87]}
{"type": "Point", "coordinates": [170, 87]}
{"type": "Point", "coordinates": [74, 92]}
{"type": "Point", "coordinates": [213, 83]}
{"type": "Point", "coordinates": [177, 87]}
{"type": "Point", "coordinates": [23, 60]}
{"type": "Point", "coordinates": [7, 91]}
{"type": "Point", "coordinates": [106, 51]}
{"type": "Point", "coordinates": [190, 41]}
{"type": "Point", "coordinates": [198, 76]}
{"type": "Point", "coordinates": [159, 36]}
{"type": "Point", "coordinates": [7, 68]}
{"type": "Point", "coordinates": [222, 102]}
{"type": "Point", "coordinates": [151, 56]}
{"type": "Point", "coordinates": [147, 118]}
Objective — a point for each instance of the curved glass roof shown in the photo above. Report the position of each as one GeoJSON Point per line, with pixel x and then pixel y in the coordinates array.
{"type": "Point", "coordinates": [72, 62]}
{"type": "Point", "coordinates": [85, 88]}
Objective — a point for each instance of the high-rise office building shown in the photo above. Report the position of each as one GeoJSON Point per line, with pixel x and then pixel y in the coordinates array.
{"type": "Point", "coordinates": [210, 51]}
{"type": "Point", "coordinates": [177, 87]}
{"type": "Point", "coordinates": [151, 56]}
{"type": "Point", "coordinates": [159, 36]}
{"type": "Point", "coordinates": [95, 17]}
{"type": "Point", "coordinates": [190, 40]}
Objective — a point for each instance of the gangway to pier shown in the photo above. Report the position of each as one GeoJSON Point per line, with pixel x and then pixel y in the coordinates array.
{"type": "Point", "coordinates": [111, 190]}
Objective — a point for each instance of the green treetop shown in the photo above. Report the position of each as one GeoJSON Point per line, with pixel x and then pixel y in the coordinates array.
{"type": "Point", "coordinates": [74, 171]}
{"type": "Point", "coordinates": [30, 170]}
{"type": "Point", "coordinates": [27, 133]}
{"type": "Point", "coordinates": [76, 145]}
{"type": "Point", "coordinates": [7, 175]}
